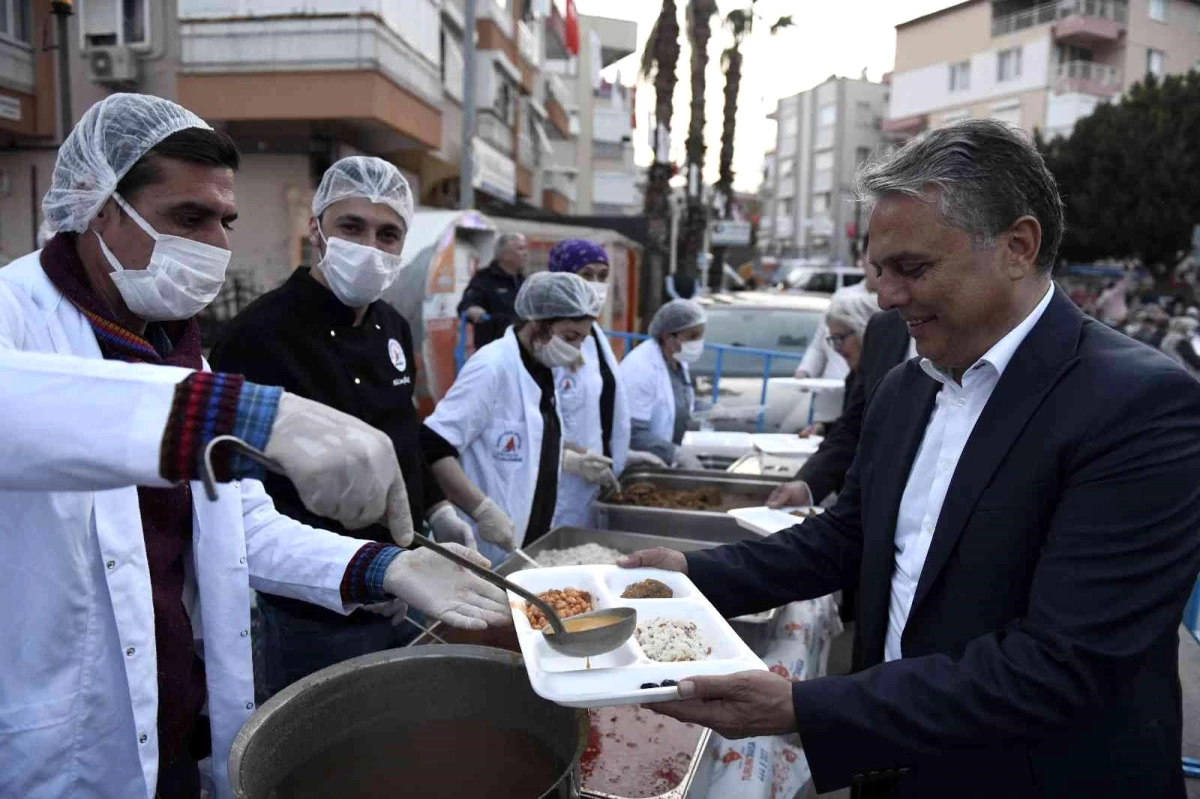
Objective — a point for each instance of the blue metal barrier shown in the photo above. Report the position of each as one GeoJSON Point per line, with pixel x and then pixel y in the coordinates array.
{"type": "Point", "coordinates": [721, 349]}
{"type": "Point", "coordinates": [1191, 613]}
{"type": "Point", "coordinates": [460, 346]}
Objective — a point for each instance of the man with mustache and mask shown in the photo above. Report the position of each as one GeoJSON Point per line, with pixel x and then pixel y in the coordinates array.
{"type": "Point", "coordinates": [326, 335]}
{"type": "Point", "coordinates": [125, 589]}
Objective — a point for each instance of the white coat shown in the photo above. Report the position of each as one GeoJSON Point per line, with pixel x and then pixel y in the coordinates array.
{"type": "Point", "coordinates": [648, 389]}
{"type": "Point", "coordinates": [579, 405]}
{"type": "Point", "coordinates": [491, 416]}
{"type": "Point", "coordinates": [78, 674]}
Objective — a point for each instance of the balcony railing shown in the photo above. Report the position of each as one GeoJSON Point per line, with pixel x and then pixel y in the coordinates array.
{"type": "Point", "coordinates": [1089, 76]}
{"type": "Point", "coordinates": [527, 43]}
{"type": "Point", "coordinates": [1112, 10]}
{"type": "Point", "coordinates": [560, 182]}
{"type": "Point", "coordinates": [495, 132]}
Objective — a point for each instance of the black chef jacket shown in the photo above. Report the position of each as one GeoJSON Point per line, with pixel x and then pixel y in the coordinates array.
{"type": "Point", "coordinates": [545, 492]}
{"type": "Point", "coordinates": [301, 337]}
{"type": "Point", "coordinates": [495, 291]}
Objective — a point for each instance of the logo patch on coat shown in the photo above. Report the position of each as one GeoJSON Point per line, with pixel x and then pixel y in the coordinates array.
{"type": "Point", "coordinates": [509, 447]}
{"type": "Point", "coordinates": [396, 353]}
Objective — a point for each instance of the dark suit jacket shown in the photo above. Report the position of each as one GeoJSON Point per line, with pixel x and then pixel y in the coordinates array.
{"type": "Point", "coordinates": [495, 291]}
{"type": "Point", "coordinates": [1041, 651]}
{"type": "Point", "coordinates": [885, 343]}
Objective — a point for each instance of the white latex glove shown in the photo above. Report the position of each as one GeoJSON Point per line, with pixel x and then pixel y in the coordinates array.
{"type": "Point", "coordinates": [342, 468]}
{"type": "Point", "coordinates": [446, 591]}
{"type": "Point", "coordinates": [637, 459]}
{"type": "Point", "coordinates": [494, 524]}
{"type": "Point", "coordinates": [395, 610]}
{"type": "Point", "coordinates": [448, 528]}
{"type": "Point", "coordinates": [593, 467]}
{"type": "Point", "coordinates": [794, 494]}
{"type": "Point", "coordinates": [687, 460]}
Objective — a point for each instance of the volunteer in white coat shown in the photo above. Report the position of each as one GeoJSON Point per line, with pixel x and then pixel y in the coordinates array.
{"type": "Point", "coordinates": [124, 590]}
{"type": "Point", "coordinates": [591, 398]}
{"type": "Point", "coordinates": [501, 417]}
{"type": "Point", "coordinates": [661, 394]}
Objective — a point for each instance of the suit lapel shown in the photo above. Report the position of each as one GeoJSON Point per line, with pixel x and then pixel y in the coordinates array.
{"type": "Point", "coordinates": [905, 428]}
{"type": "Point", "coordinates": [1039, 362]}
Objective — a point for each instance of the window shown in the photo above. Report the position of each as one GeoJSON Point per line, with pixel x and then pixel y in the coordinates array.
{"type": "Point", "coordinates": [785, 207]}
{"type": "Point", "coordinates": [14, 20]}
{"type": "Point", "coordinates": [107, 23]}
{"type": "Point", "coordinates": [820, 203]}
{"type": "Point", "coordinates": [505, 98]}
{"type": "Point", "coordinates": [1156, 62]}
{"type": "Point", "coordinates": [822, 172]}
{"type": "Point", "coordinates": [786, 167]}
{"type": "Point", "coordinates": [1008, 64]}
{"type": "Point", "coordinates": [1009, 113]}
{"type": "Point", "coordinates": [1158, 10]}
{"type": "Point", "coordinates": [827, 115]}
{"type": "Point", "coordinates": [960, 76]}
{"type": "Point", "coordinates": [788, 127]}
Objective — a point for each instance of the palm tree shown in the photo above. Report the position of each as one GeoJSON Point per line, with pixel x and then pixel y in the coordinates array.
{"type": "Point", "coordinates": [659, 59]}
{"type": "Point", "coordinates": [740, 23]}
{"type": "Point", "coordinates": [691, 238]}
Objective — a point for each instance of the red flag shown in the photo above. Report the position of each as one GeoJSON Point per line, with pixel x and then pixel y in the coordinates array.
{"type": "Point", "coordinates": [572, 28]}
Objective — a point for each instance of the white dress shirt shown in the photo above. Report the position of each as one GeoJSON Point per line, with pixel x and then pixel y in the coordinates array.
{"type": "Point", "coordinates": [956, 410]}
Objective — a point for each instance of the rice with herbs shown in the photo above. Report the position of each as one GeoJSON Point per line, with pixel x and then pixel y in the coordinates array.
{"type": "Point", "coordinates": [671, 640]}
{"type": "Point", "coordinates": [583, 555]}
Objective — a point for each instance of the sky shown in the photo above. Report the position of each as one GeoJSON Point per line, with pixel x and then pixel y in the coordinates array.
{"type": "Point", "coordinates": [829, 38]}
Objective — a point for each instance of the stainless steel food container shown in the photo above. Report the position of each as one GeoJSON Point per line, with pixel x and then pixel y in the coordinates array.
{"type": "Point", "coordinates": [712, 526]}
{"type": "Point", "coordinates": [398, 690]}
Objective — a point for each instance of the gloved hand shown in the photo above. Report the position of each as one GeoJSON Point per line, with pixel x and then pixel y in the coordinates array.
{"type": "Point", "coordinates": [794, 494]}
{"type": "Point", "coordinates": [448, 528]}
{"type": "Point", "coordinates": [494, 524]}
{"type": "Point", "coordinates": [590, 466]}
{"type": "Point", "coordinates": [687, 460]}
{"type": "Point", "coordinates": [393, 609]}
{"type": "Point", "coordinates": [342, 468]}
{"type": "Point", "coordinates": [644, 460]}
{"type": "Point", "coordinates": [446, 591]}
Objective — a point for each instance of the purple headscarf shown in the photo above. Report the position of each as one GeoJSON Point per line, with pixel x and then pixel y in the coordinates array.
{"type": "Point", "coordinates": [571, 255]}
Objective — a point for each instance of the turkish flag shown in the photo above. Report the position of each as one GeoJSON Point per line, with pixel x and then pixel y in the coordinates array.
{"type": "Point", "coordinates": [572, 31]}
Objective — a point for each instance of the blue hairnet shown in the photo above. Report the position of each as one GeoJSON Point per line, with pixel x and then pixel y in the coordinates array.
{"type": "Point", "coordinates": [571, 255]}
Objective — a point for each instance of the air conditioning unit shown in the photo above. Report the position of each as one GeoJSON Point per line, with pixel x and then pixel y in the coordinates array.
{"type": "Point", "coordinates": [112, 65]}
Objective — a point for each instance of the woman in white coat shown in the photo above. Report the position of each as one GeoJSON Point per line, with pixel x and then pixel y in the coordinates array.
{"type": "Point", "coordinates": [105, 529]}
{"type": "Point", "coordinates": [661, 395]}
{"type": "Point", "coordinates": [591, 397]}
{"type": "Point", "coordinates": [501, 417]}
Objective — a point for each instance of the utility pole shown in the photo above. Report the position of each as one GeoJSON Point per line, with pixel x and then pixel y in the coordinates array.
{"type": "Point", "coordinates": [466, 187]}
{"type": "Point", "coordinates": [62, 10]}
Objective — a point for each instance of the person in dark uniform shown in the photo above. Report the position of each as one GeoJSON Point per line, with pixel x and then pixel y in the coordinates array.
{"type": "Point", "coordinates": [325, 335]}
{"type": "Point", "coordinates": [501, 417]}
{"type": "Point", "coordinates": [492, 291]}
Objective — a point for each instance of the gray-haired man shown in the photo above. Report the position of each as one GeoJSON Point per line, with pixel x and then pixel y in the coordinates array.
{"type": "Point", "coordinates": [493, 290]}
{"type": "Point", "coordinates": [1020, 519]}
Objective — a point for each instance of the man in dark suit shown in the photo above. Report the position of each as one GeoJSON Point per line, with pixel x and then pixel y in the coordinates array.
{"type": "Point", "coordinates": [489, 298]}
{"type": "Point", "coordinates": [1021, 518]}
{"type": "Point", "coordinates": [885, 344]}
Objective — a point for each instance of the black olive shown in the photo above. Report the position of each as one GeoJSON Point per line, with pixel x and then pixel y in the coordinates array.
{"type": "Point", "coordinates": [669, 683]}
{"type": "Point", "coordinates": [649, 685]}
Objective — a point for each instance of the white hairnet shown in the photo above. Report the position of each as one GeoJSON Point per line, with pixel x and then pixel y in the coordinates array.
{"type": "Point", "coordinates": [556, 295]}
{"type": "Point", "coordinates": [676, 315]}
{"type": "Point", "coordinates": [368, 177]}
{"type": "Point", "coordinates": [854, 310]}
{"type": "Point", "coordinates": [113, 135]}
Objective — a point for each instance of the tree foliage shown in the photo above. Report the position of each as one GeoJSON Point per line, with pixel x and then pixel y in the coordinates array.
{"type": "Point", "coordinates": [1130, 176]}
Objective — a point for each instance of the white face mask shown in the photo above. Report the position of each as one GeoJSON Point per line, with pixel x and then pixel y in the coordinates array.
{"type": "Point", "coordinates": [183, 276]}
{"type": "Point", "coordinates": [690, 351]}
{"type": "Point", "coordinates": [357, 274]}
{"type": "Point", "coordinates": [557, 352]}
{"type": "Point", "coordinates": [601, 290]}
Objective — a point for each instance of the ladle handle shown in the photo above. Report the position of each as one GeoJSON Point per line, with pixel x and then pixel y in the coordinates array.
{"type": "Point", "coordinates": [495, 579]}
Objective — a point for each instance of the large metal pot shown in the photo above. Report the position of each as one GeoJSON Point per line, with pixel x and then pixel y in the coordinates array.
{"type": "Point", "coordinates": [446, 721]}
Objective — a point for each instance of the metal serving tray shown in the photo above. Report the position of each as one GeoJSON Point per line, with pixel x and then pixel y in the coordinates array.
{"type": "Point", "coordinates": [717, 527]}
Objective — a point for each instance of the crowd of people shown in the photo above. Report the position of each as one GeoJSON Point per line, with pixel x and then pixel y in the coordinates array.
{"type": "Point", "coordinates": [1015, 503]}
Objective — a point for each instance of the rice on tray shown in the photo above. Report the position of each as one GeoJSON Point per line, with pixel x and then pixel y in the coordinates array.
{"type": "Point", "coordinates": [583, 555]}
{"type": "Point", "coordinates": [671, 640]}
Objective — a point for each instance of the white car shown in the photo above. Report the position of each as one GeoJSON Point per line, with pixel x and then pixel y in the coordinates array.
{"type": "Point", "coordinates": [780, 322]}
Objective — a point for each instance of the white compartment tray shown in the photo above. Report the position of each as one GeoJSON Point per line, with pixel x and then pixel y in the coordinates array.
{"type": "Point", "coordinates": [767, 521]}
{"type": "Point", "coordinates": [616, 678]}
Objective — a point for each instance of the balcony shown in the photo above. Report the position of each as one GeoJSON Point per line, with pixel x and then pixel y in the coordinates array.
{"type": "Point", "coordinates": [784, 227]}
{"type": "Point", "coordinates": [561, 182]}
{"type": "Point", "coordinates": [527, 43]}
{"type": "Point", "coordinates": [1102, 20]}
{"type": "Point", "coordinates": [16, 66]}
{"type": "Point", "coordinates": [613, 187]}
{"type": "Point", "coordinates": [1088, 77]}
{"type": "Point", "coordinates": [526, 156]}
{"type": "Point", "coordinates": [493, 130]}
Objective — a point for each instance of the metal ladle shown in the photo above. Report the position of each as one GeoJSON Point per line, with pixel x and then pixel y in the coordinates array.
{"type": "Point", "coordinates": [582, 643]}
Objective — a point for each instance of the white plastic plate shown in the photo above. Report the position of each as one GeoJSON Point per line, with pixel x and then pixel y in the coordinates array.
{"type": "Point", "coordinates": [767, 521]}
{"type": "Point", "coordinates": [616, 678]}
{"type": "Point", "coordinates": [786, 445]}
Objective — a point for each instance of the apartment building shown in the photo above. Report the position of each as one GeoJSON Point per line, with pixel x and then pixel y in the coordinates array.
{"type": "Point", "coordinates": [297, 84]}
{"type": "Point", "coordinates": [823, 135]}
{"type": "Point", "coordinates": [1036, 65]}
{"type": "Point", "coordinates": [594, 170]}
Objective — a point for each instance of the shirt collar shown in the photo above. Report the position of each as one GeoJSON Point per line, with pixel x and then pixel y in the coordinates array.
{"type": "Point", "coordinates": [1002, 352]}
